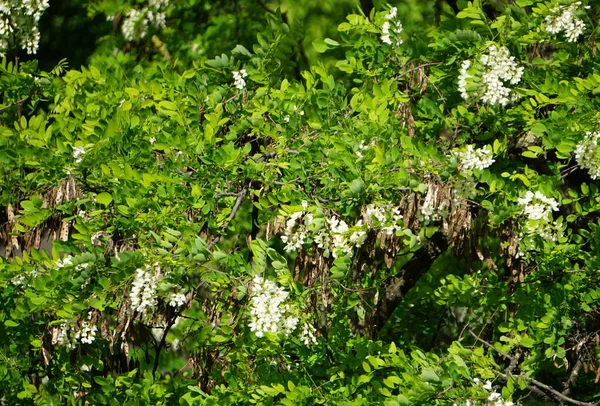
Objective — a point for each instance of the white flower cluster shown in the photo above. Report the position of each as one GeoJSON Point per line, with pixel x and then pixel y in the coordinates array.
{"type": "Point", "coordinates": [494, 398]}
{"type": "Point", "coordinates": [391, 28]}
{"type": "Point", "coordinates": [335, 237]}
{"type": "Point", "coordinates": [177, 299]}
{"type": "Point", "coordinates": [378, 215]}
{"type": "Point", "coordinates": [78, 153]}
{"type": "Point", "coordinates": [66, 261]}
{"type": "Point", "coordinates": [143, 293]}
{"type": "Point", "coordinates": [463, 76]}
{"type": "Point", "coordinates": [238, 78]}
{"type": "Point", "coordinates": [296, 229]}
{"type": "Point", "coordinates": [307, 336]}
{"type": "Point", "coordinates": [479, 158]}
{"type": "Point", "coordinates": [86, 333]}
{"type": "Point", "coordinates": [541, 208]}
{"type": "Point", "coordinates": [538, 208]}
{"type": "Point", "coordinates": [61, 336]}
{"type": "Point", "coordinates": [269, 312]}
{"type": "Point", "coordinates": [20, 19]}
{"type": "Point", "coordinates": [65, 335]}
{"type": "Point", "coordinates": [136, 23]}
{"type": "Point", "coordinates": [494, 69]}
{"type": "Point", "coordinates": [564, 18]}
{"type": "Point", "coordinates": [587, 154]}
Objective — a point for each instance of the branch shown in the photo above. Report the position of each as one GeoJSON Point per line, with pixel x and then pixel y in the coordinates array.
{"type": "Point", "coordinates": [539, 385]}
{"type": "Point", "coordinates": [572, 377]}
{"type": "Point", "coordinates": [13, 104]}
{"type": "Point", "coordinates": [234, 210]}
{"type": "Point", "coordinates": [416, 68]}
{"type": "Point", "coordinates": [395, 288]}
{"type": "Point", "coordinates": [161, 345]}
{"type": "Point", "coordinates": [481, 340]}
{"type": "Point", "coordinates": [556, 393]}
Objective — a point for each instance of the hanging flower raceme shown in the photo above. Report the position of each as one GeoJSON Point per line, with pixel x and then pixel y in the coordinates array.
{"type": "Point", "coordinates": [564, 19]}
{"type": "Point", "coordinates": [587, 154]}
{"type": "Point", "coordinates": [479, 158]}
{"type": "Point", "coordinates": [493, 398]}
{"type": "Point", "coordinates": [538, 209]}
{"type": "Point", "coordinates": [143, 293]}
{"type": "Point", "coordinates": [136, 23]}
{"type": "Point", "coordinates": [269, 311]}
{"type": "Point", "coordinates": [486, 79]}
{"type": "Point", "coordinates": [19, 19]}
{"type": "Point", "coordinates": [238, 79]}
{"type": "Point", "coordinates": [391, 28]}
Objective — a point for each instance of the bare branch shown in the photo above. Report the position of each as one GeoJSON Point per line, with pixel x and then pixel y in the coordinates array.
{"type": "Point", "coordinates": [18, 102]}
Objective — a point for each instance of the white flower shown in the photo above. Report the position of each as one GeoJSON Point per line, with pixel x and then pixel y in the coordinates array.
{"type": "Point", "coordinates": [143, 293]}
{"type": "Point", "coordinates": [136, 22]}
{"type": "Point", "coordinates": [391, 28]}
{"type": "Point", "coordinates": [177, 299]}
{"type": "Point", "coordinates": [538, 208]}
{"type": "Point", "coordinates": [19, 20]}
{"type": "Point", "coordinates": [480, 158]}
{"type": "Point", "coordinates": [86, 333]}
{"type": "Point", "coordinates": [563, 18]}
{"type": "Point", "coordinates": [488, 385]}
{"type": "Point", "coordinates": [307, 336]}
{"type": "Point", "coordinates": [238, 77]}
{"type": "Point", "coordinates": [587, 154]}
{"type": "Point", "coordinates": [268, 310]}
{"type": "Point", "coordinates": [296, 230]}
{"type": "Point", "coordinates": [78, 153]}
{"type": "Point", "coordinates": [66, 261]}
{"type": "Point", "coordinates": [462, 79]}
{"type": "Point", "coordinates": [60, 335]}
{"type": "Point", "coordinates": [494, 396]}
{"type": "Point", "coordinates": [541, 208]}
{"type": "Point", "coordinates": [493, 70]}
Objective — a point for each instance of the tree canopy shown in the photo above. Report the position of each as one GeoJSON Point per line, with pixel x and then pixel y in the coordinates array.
{"type": "Point", "coordinates": [299, 203]}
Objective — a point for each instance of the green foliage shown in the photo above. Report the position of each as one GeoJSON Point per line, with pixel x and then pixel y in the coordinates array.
{"type": "Point", "coordinates": [427, 242]}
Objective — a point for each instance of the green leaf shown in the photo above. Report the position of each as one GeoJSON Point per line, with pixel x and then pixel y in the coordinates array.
{"type": "Point", "coordinates": [104, 198]}
{"type": "Point", "coordinates": [356, 186]}
{"type": "Point", "coordinates": [11, 323]}
{"type": "Point", "coordinates": [429, 376]}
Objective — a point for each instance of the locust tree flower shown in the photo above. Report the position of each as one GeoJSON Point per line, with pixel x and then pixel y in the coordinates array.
{"type": "Point", "coordinates": [587, 154]}
{"type": "Point", "coordinates": [489, 76]}
{"type": "Point", "coordinates": [238, 79]}
{"type": "Point", "coordinates": [177, 299]}
{"type": "Point", "coordinates": [19, 20]}
{"type": "Point", "coordinates": [269, 311]}
{"type": "Point", "coordinates": [137, 22]}
{"type": "Point", "coordinates": [143, 293]}
{"type": "Point", "coordinates": [564, 19]}
{"type": "Point", "coordinates": [391, 28]}
{"type": "Point", "coordinates": [479, 158]}
{"type": "Point", "coordinates": [78, 153]}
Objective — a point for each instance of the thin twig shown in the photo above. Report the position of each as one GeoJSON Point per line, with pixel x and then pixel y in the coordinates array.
{"type": "Point", "coordinates": [13, 104]}
{"type": "Point", "coordinates": [556, 393]}
{"type": "Point", "coordinates": [536, 383]}
{"type": "Point", "coordinates": [234, 210]}
{"type": "Point", "coordinates": [416, 68]}
{"type": "Point", "coordinates": [481, 340]}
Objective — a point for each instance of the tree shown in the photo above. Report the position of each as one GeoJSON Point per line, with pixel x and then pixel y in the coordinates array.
{"type": "Point", "coordinates": [410, 219]}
